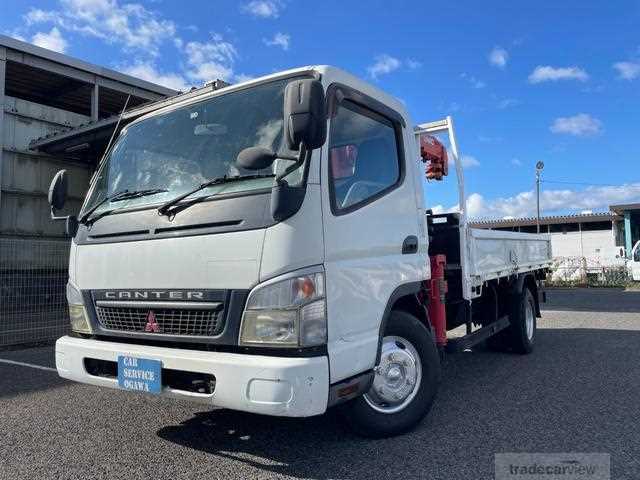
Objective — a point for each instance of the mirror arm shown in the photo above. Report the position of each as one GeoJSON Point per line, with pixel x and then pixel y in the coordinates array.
{"type": "Point", "coordinates": [54, 217]}
{"type": "Point", "coordinates": [299, 160]}
{"type": "Point", "coordinates": [71, 223]}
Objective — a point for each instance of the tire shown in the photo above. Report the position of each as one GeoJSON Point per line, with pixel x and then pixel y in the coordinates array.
{"type": "Point", "coordinates": [520, 336]}
{"type": "Point", "coordinates": [405, 338]}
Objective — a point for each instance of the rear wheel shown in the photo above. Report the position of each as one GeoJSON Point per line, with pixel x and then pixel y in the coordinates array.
{"type": "Point", "coordinates": [520, 335]}
{"type": "Point", "coordinates": [405, 382]}
{"type": "Point", "coordinates": [523, 323]}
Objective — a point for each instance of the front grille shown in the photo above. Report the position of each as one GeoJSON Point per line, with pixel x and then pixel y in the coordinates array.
{"type": "Point", "coordinates": [193, 322]}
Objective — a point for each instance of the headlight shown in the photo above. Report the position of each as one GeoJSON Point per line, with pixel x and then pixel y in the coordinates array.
{"type": "Point", "coordinates": [77, 313]}
{"type": "Point", "coordinates": [288, 313]}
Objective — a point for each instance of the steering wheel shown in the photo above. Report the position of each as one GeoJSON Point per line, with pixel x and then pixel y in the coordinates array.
{"type": "Point", "coordinates": [359, 191]}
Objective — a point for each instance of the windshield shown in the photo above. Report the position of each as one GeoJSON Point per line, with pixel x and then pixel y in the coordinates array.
{"type": "Point", "coordinates": [182, 149]}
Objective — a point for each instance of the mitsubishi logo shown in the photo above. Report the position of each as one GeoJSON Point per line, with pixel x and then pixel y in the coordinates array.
{"type": "Point", "coordinates": [152, 325]}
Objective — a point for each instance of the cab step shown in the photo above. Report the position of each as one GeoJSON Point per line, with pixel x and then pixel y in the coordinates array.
{"type": "Point", "coordinates": [461, 344]}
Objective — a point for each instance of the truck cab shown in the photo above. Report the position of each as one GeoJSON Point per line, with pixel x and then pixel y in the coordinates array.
{"type": "Point", "coordinates": [263, 247]}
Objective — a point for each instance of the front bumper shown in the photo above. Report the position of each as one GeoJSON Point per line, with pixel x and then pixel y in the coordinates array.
{"type": "Point", "coordinates": [281, 386]}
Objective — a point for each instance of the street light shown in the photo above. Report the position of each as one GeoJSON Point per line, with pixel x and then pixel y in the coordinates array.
{"type": "Point", "coordinates": [539, 167]}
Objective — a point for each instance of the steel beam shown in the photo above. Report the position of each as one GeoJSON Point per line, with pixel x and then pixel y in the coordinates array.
{"type": "Point", "coordinates": [3, 71]}
{"type": "Point", "coordinates": [128, 89]}
{"type": "Point", "coordinates": [95, 102]}
{"type": "Point", "coordinates": [628, 244]}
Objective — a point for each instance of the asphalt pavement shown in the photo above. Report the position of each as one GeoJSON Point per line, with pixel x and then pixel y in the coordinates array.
{"type": "Point", "coordinates": [579, 391]}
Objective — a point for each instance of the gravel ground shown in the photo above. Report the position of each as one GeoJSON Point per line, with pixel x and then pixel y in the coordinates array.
{"type": "Point", "coordinates": [578, 392]}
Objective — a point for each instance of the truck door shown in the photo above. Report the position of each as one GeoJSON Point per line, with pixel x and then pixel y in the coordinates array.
{"type": "Point", "coordinates": [370, 216]}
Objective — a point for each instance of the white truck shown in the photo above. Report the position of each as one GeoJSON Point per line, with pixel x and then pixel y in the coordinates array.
{"type": "Point", "coordinates": [265, 247]}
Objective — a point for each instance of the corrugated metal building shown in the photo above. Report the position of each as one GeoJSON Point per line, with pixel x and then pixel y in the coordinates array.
{"type": "Point", "coordinates": [43, 93]}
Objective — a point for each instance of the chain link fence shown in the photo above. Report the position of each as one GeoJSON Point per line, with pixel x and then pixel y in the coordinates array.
{"type": "Point", "coordinates": [584, 271]}
{"type": "Point", "coordinates": [33, 278]}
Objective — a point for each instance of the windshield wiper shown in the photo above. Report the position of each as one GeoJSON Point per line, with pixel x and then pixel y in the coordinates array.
{"type": "Point", "coordinates": [139, 193]}
{"type": "Point", "coordinates": [165, 209]}
{"type": "Point", "coordinates": [116, 197]}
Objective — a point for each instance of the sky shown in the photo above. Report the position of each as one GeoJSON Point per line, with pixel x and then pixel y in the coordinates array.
{"type": "Point", "coordinates": [557, 82]}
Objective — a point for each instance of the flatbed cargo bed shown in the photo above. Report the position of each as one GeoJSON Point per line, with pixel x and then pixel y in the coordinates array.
{"type": "Point", "coordinates": [494, 254]}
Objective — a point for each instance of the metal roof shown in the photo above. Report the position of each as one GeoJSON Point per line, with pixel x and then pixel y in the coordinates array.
{"type": "Point", "coordinates": [550, 220]}
{"type": "Point", "coordinates": [620, 209]}
{"type": "Point", "coordinates": [20, 46]}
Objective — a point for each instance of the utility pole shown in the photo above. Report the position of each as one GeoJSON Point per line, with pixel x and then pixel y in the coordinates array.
{"type": "Point", "coordinates": [539, 167]}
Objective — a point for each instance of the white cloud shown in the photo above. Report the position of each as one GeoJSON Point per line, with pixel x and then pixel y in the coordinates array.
{"type": "Point", "coordinates": [210, 60]}
{"type": "Point", "coordinates": [627, 70]}
{"type": "Point", "coordinates": [498, 57]}
{"type": "Point", "coordinates": [148, 71]}
{"type": "Point", "coordinates": [16, 33]}
{"type": "Point", "coordinates": [129, 24]}
{"type": "Point", "coordinates": [217, 49]}
{"type": "Point", "coordinates": [469, 161]}
{"type": "Point", "coordinates": [36, 15]}
{"type": "Point", "coordinates": [383, 65]}
{"type": "Point", "coordinates": [548, 73]}
{"type": "Point", "coordinates": [205, 61]}
{"type": "Point", "coordinates": [475, 83]}
{"type": "Point", "coordinates": [211, 71]}
{"type": "Point", "coordinates": [413, 64]}
{"type": "Point", "coordinates": [263, 8]}
{"type": "Point", "coordinates": [454, 107]}
{"type": "Point", "coordinates": [507, 103]}
{"type": "Point", "coordinates": [281, 40]}
{"type": "Point", "coordinates": [52, 40]}
{"type": "Point", "coordinates": [242, 77]}
{"type": "Point", "coordinates": [580, 125]}
{"type": "Point", "coordinates": [141, 33]}
{"type": "Point", "coordinates": [552, 201]}
{"type": "Point", "coordinates": [516, 162]}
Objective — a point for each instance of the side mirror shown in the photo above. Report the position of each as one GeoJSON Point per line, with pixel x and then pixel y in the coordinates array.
{"type": "Point", "coordinates": [57, 198]}
{"type": "Point", "coordinates": [58, 190]}
{"type": "Point", "coordinates": [255, 158]}
{"type": "Point", "coordinates": [305, 119]}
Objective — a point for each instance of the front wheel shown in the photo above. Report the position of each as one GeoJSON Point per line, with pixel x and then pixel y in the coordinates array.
{"type": "Point", "coordinates": [405, 382]}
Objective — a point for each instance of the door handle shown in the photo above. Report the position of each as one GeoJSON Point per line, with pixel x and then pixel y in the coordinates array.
{"type": "Point", "coordinates": [410, 245]}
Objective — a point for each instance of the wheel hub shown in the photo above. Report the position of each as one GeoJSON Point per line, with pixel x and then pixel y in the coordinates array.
{"type": "Point", "coordinates": [397, 376]}
{"type": "Point", "coordinates": [529, 320]}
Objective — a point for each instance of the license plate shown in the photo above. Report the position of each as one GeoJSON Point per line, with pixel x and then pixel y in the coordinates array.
{"type": "Point", "coordinates": [140, 374]}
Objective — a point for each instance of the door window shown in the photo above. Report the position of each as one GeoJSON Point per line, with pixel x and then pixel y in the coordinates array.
{"type": "Point", "coordinates": [363, 157]}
